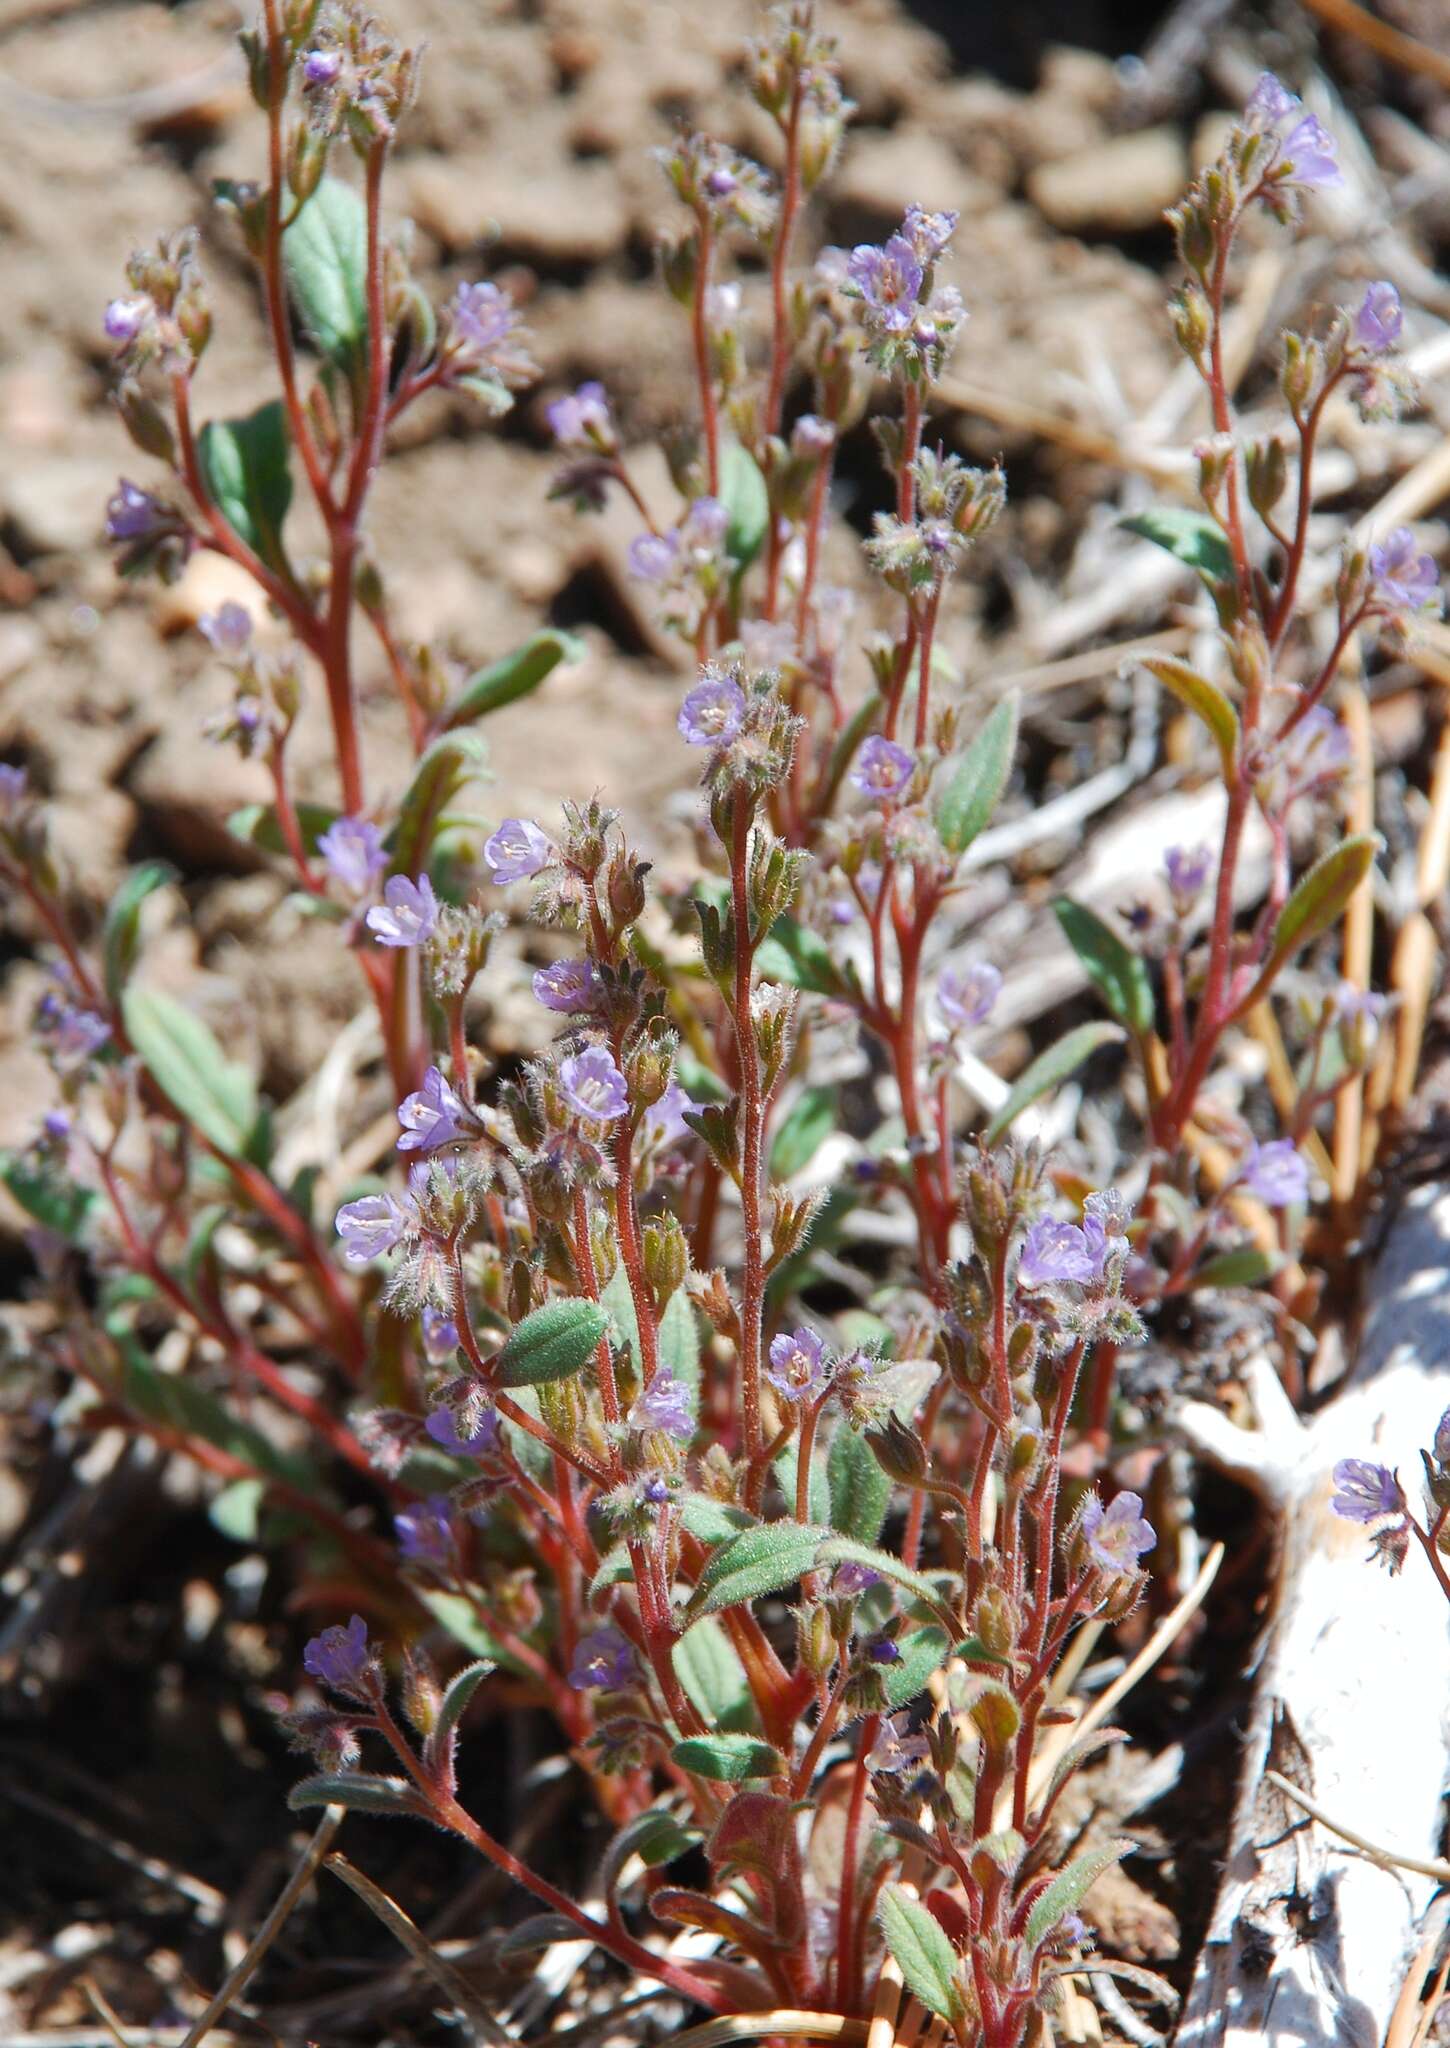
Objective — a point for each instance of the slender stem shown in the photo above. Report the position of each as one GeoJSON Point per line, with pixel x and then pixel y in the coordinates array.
{"type": "Point", "coordinates": [790, 199]}
{"type": "Point", "coordinates": [704, 372]}
{"type": "Point", "coordinates": [298, 426]}
{"type": "Point", "coordinates": [753, 1118]}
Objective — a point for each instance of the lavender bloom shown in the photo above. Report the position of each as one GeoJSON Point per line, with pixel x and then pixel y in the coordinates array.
{"type": "Point", "coordinates": [483, 315]}
{"type": "Point", "coordinates": [888, 282]}
{"type": "Point", "coordinates": [1187, 873]}
{"type": "Point", "coordinates": [1366, 1491]}
{"type": "Point", "coordinates": [603, 1660]}
{"type": "Point", "coordinates": [882, 769]}
{"type": "Point", "coordinates": [371, 1226]}
{"type": "Point", "coordinates": [896, 1749]}
{"type": "Point", "coordinates": [568, 987]}
{"type": "Point", "coordinates": [713, 711]}
{"type": "Point", "coordinates": [593, 1086]}
{"type": "Point", "coordinates": [798, 1366]}
{"type": "Point", "coordinates": [433, 1115]}
{"type": "Point", "coordinates": [928, 233]}
{"type": "Point", "coordinates": [882, 1650]}
{"type": "Point", "coordinates": [407, 915]}
{"type": "Point", "coordinates": [14, 789]}
{"type": "Point", "coordinates": [517, 851]}
{"type": "Point", "coordinates": [705, 526]}
{"type": "Point", "coordinates": [321, 67]}
{"type": "Point", "coordinates": [582, 420]}
{"type": "Point", "coordinates": [1117, 1536]}
{"type": "Point", "coordinates": [1379, 320]}
{"type": "Point", "coordinates": [652, 557]}
{"type": "Point", "coordinates": [1276, 1174]}
{"type": "Point", "coordinates": [125, 318]}
{"type": "Point", "coordinates": [1309, 152]}
{"type": "Point", "coordinates": [133, 514]}
{"type": "Point", "coordinates": [851, 1579]}
{"type": "Point", "coordinates": [228, 629]}
{"type": "Point", "coordinates": [664, 1121]}
{"type": "Point", "coordinates": [1054, 1253]}
{"type": "Point", "coordinates": [811, 435]}
{"type": "Point", "coordinates": [425, 1530]}
{"type": "Point", "coordinates": [353, 851]}
{"type": "Point", "coordinates": [965, 995]}
{"type": "Point", "coordinates": [1403, 579]}
{"type": "Point", "coordinates": [73, 1032]}
{"type": "Point", "coordinates": [1318, 750]}
{"type": "Point", "coordinates": [1269, 103]}
{"type": "Point", "coordinates": [340, 1657]}
{"type": "Point", "coordinates": [665, 1404]}
{"type": "Point", "coordinates": [440, 1335]}
{"type": "Point", "coordinates": [442, 1426]}
{"type": "Point", "coordinates": [1442, 1439]}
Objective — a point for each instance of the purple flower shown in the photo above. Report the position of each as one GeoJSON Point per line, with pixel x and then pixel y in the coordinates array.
{"type": "Point", "coordinates": [1309, 152]}
{"type": "Point", "coordinates": [1054, 1252]}
{"type": "Point", "coordinates": [888, 283]}
{"type": "Point", "coordinates": [593, 1086]}
{"type": "Point", "coordinates": [1378, 322]}
{"type": "Point", "coordinates": [927, 233]}
{"type": "Point", "coordinates": [228, 629]}
{"type": "Point", "coordinates": [1276, 1174]}
{"type": "Point", "coordinates": [1317, 750]}
{"type": "Point", "coordinates": [582, 420]}
{"type": "Point", "coordinates": [1187, 873]}
{"type": "Point", "coordinates": [965, 995]}
{"type": "Point", "coordinates": [664, 1121]}
{"type": "Point", "coordinates": [1269, 103]}
{"type": "Point", "coordinates": [371, 1226]}
{"type": "Point", "coordinates": [425, 1530]}
{"type": "Point", "coordinates": [341, 1657]}
{"type": "Point", "coordinates": [568, 987]}
{"type": "Point", "coordinates": [517, 851]}
{"type": "Point", "coordinates": [705, 526]}
{"type": "Point", "coordinates": [353, 851]}
{"type": "Point", "coordinates": [798, 1366]}
{"type": "Point", "coordinates": [1442, 1438]}
{"type": "Point", "coordinates": [811, 435]}
{"type": "Point", "coordinates": [483, 315]}
{"type": "Point", "coordinates": [442, 1426]}
{"type": "Point", "coordinates": [407, 914]}
{"type": "Point", "coordinates": [1117, 1536]}
{"type": "Point", "coordinates": [851, 1579]}
{"type": "Point", "coordinates": [14, 789]}
{"type": "Point", "coordinates": [321, 67]}
{"type": "Point", "coordinates": [882, 1650]}
{"type": "Point", "coordinates": [433, 1115]}
{"type": "Point", "coordinates": [1403, 579]}
{"type": "Point", "coordinates": [73, 1031]}
{"type": "Point", "coordinates": [1366, 1491]}
{"type": "Point", "coordinates": [126, 317]}
{"type": "Point", "coordinates": [133, 514]}
{"type": "Point", "coordinates": [652, 557]}
{"type": "Point", "coordinates": [713, 712]}
{"type": "Point", "coordinates": [896, 1749]}
{"type": "Point", "coordinates": [440, 1335]}
{"type": "Point", "coordinates": [882, 769]}
{"type": "Point", "coordinates": [665, 1404]}
{"type": "Point", "coordinates": [604, 1659]}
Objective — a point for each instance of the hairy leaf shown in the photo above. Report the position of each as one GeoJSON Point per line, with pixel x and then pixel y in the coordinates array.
{"type": "Point", "coordinates": [1205, 699]}
{"type": "Point", "coordinates": [713, 1676]}
{"type": "Point", "coordinates": [1116, 971]}
{"type": "Point", "coordinates": [927, 1960]}
{"type": "Point", "coordinates": [813, 1116]}
{"type": "Point", "coordinates": [1320, 898]}
{"type": "Point", "coordinates": [728, 1759]}
{"type": "Point", "coordinates": [860, 1489]}
{"type": "Point", "coordinates": [246, 466]}
{"type": "Point", "coordinates": [923, 1651]}
{"type": "Point", "coordinates": [325, 257]}
{"type": "Point", "coordinates": [517, 675]}
{"type": "Point", "coordinates": [1193, 537]}
{"type": "Point", "coordinates": [56, 1203]}
{"type": "Point", "coordinates": [1050, 1069]}
{"type": "Point", "coordinates": [357, 1791]}
{"type": "Point", "coordinates": [553, 1343]}
{"type": "Point", "coordinates": [763, 1559]}
{"type": "Point", "coordinates": [747, 504]}
{"type": "Point", "coordinates": [977, 779]}
{"type": "Point", "coordinates": [1069, 1888]}
{"type": "Point", "coordinates": [188, 1065]}
{"type": "Point", "coordinates": [122, 936]}
{"type": "Point", "coordinates": [452, 760]}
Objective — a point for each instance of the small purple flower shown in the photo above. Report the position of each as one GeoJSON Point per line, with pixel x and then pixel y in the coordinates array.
{"type": "Point", "coordinates": [1117, 1536]}
{"type": "Point", "coordinates": [665, 1404]}
{"type": "Point", "coordinates": [517, 851]}
{"type": "Point", "coordinates": [705, 526]}
{"type": "Point", "coordinates": [433, 1115]}
{"type": "Point", "coordinates": [407, 915]}
{"type": "Point", "coordinates": [442, 1426]}
{"type": "Point", "coordinates": [927, 233]}
{"type": "Point", "coordinates": [440, 1335]}
{"type": "Point", "coordinates": [1269, 103]}
{"type": "Point", "coordinates": [664, 1121]}
{"type": "Point", "coordinates": [228, 629]}
{"type": "Point", "coordinates": [126, 317]}
{"type": "Point", "coordinates": [321, 67]}
{"type": "Point", "coordinates": [583, 420]}
{"type": "Point", "coordinates": [14, 791]}
{"type": "Point", "coordinates": [798, 1366]}
{"type": "Point", "coordinates": [1187, 873]}
{"type": "Point", "coordinates": [133, 514]}
{"type": "Point", "coordinates": [593, 1086]}
{"type": "Point", "coordinates": [888, 283]}
{"type": "Point", "coordinates": [483, 315]}
{"type": "Point", "coordinates": [1366, 1491]}
{"type": "Point", "coordinates": [965, 995]}
{"type": "Point", "coordinates": [1309, 151]}
{"type": "Point", "coordinates": [1379, 320]}
{"type": "Point", "coordinates": [1054, 1253]}
{"type": "Point", "coordinates": [713, 711]}
{"type": "Point", "coordinates": [371, 1226]}
{"type": "Point", "coordinates": [883, 1650]}
{"type": "Point", "coordinates": [852, 1579]}
{"type": "Point", "coordinates": [653, 556]}
{"type": "Point", "coordinates": [1403, 579]}
{"type": "Point", "coordinates": [897, 1749]}
{"type": "Point", "coordinates": [1275, 1174]}
{"type": "Point", "coordinates": [812, 436]}
{"type": "Point", "coordinates": [341, 1657]}
{"type": "Point", "coordinates": [603, 1660]}
{"type": "Point", "coordinates": [425, 1530]}
{"type": "Point", "coordinates": [1442, 1439]}
{"type": "Point", "coordinates": [353, 851]}
{"type": "Point", "coordinates": [568, 987]}
{"type": "Point", "coordinates": [882, 769]}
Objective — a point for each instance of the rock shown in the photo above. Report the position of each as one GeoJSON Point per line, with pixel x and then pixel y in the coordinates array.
{"type": "Point", "coordinates": [58, 506]}
{"type": "Point", "coordinates": [1115, 187]}
{"type": "Point", "coordinates": [555, 217]}
{"type": "Point", "coordinates": [881, 175]}
{"type": "Point", "coordinates": [208, 582]}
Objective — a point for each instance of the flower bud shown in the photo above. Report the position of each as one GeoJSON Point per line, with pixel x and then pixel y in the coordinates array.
{"type": "Point", "coordinates": [422, 1695]}
{"type": "Point", "coordinates": [147, 425]}
{"type": "Point", "coordinates": [679, 261]}
{"type": "Point", "coordinates": [1189, 313]}
{"type": "Point", "coordinates": [666, 1257]}
{"type": "Point", "coordinates": [1299, 373]}
{"type": "Point", "coordinates": [899, 1451]}
{"type": "Point", "coordinates": [995, 1621]}
{"type": "Point", "coordinates": [1268, 472]}
{"type": "Point", "coordinates": [816, 1642]}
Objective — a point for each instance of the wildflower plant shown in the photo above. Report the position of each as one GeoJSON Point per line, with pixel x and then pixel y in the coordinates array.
{"type": "Point", "coordinates": [760, 1562]}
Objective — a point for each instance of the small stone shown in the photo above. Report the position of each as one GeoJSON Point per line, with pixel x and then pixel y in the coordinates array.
{"type": "Point", "coordinates": [208, 582]}
{"type": "Point", "coordinates": [881, 175]}
{"type": "Point", "coordinates": [550, 218]}
{"type": "Point", "coordinates": [1114, 188]}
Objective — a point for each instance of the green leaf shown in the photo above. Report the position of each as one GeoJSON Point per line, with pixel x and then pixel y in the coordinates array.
{"type": "Point", "coordinates": [1069, 1888]}
{"type": "Point", "coordinates": [358, 1792]}
{"type": "Point", "coordinates": [457, 1615]}
{"type": "Point", "coordinates": [237, 1510]}
{"type": "Point", "coordinates": [454, 1703]}
{"type": "Point", "coordinates": [452, 760]}
{"type": "Point", "coordinates": [540, 1930]}
{"type": "Point", "coordinates": [1247, 1266]}
{"type": "Point", "coordinates": [1204, 699]}
{"type": "Point", "coordinates": [747, 504]}
{"type": "Point", "coordinates": [1195, 538]}
{"type": "Point", "coordinates": [923, 1651]}
{"type": "Point", "coordinates": [325, 257]}
{"type": "Point", "coordinates": [1050, 1069]}
{"type": "Point", "coordinates": [656, 1836]}
{"type": "Point", "coordinates": [187, 1064]}
{"type": "Point", "coordinates": [176, 1402]}
{"type": "Point", "coordinates": [927, 1960]}
{"type": "Point", "coordinates": [818, 1495]}
{"type": "Point", "coordinates": [44, 1193]}
{"type": "Point", "coordinates": [977, 779]}
{"type": "Point", "coordinates": [813, 1116]}
{"type": "Point", "coordinates": [712, 1521]}
{"type": "Point", "coordinates": [713, 1676]}
{"type": "Point", "coordinates": [517, 675]}
{"type": "Point", "coordinates": [256, 825]}
{"type": "Point", "coordinates": [122, 935]}
{"type": "Point", "coordinates": [246, 467]}
{"type": "Point", "coordinates": [728, 1759]}
{"type": "Point", "coordinates": [615, 1568]}
{"type": "Point", "coordinates": [1320, 898]}
{"type": "Point", "coordinates": [792, 953]}
{"type": "Point", "coordinates": [553, 1343]}
{"type": "Point", "coordinates": [1121, 978]}
{"type": "Point", "coordinates": [763, 1559]}
{"type": "Point", "coordinates": [860, 1490]}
